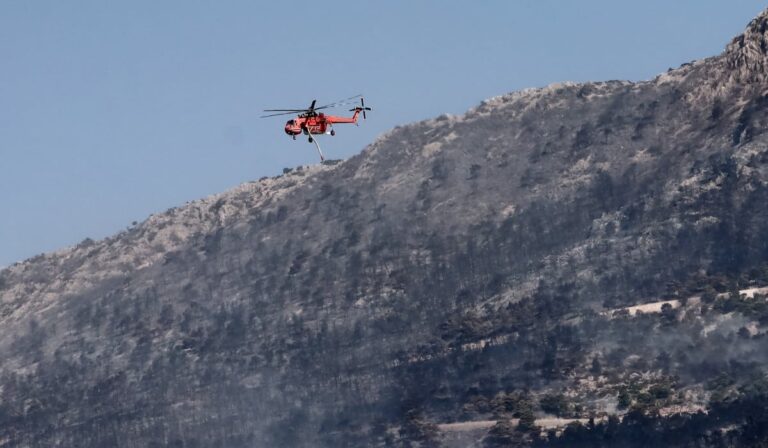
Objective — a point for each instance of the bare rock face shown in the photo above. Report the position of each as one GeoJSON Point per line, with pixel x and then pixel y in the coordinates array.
{"type": "Point", "coordinates": [746, 55]}
{"type": "Point", "coordinates": [459, 269]}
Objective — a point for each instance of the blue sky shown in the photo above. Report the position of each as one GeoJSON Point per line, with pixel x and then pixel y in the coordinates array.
{"type": "Point", "coordinates": [110, 111]}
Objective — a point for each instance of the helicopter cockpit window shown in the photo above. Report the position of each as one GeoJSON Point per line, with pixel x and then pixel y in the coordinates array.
{"type": "Point", "coordinates": [291, 122]}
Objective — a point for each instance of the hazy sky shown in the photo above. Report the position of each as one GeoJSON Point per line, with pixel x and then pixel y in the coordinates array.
{"type": "Point", "coordinates": [110, 111]}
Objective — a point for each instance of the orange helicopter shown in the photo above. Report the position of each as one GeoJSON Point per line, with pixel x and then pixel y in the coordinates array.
{"type": "Point", "coordinates": [312, 123]}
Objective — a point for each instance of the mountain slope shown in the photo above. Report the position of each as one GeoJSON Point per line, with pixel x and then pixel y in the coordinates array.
{"type": "Point", "coordinates": [339, 304]}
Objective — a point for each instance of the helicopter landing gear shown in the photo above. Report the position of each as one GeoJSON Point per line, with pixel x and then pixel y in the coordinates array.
{"type": "Point", "coordinates": [294, 137]}
{"type": "Point", "coordinates": [333, 132]}
{"type": "Point", "coordinates": [311, 139]}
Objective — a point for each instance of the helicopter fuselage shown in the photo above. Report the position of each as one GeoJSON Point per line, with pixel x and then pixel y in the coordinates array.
{"type": "Point", "coordinates": [316, 123]}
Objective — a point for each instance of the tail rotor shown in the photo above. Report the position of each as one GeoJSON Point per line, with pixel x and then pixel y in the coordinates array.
{"type": "Point", "coordinates": [361, 107]}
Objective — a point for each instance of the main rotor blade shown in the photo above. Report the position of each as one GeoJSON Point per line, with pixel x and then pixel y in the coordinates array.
{"type": "Point", "coordinates": [340, 102]}
{"type": "Point", "coordinates": [311, 107]}
{"type": "Point", "coordinates": [281, 113]}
